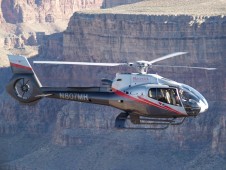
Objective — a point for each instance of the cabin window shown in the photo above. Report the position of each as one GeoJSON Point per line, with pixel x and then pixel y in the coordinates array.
{"type": "Point", "coordinates": [165, 95]}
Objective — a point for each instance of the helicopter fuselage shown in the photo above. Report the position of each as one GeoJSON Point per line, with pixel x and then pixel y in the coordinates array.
{"type": "Point", "coordinates": [144, 98]}
{"type": "Point", "coordinates": [147, 95]}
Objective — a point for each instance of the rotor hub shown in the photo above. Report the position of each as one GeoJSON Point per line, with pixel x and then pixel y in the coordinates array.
{"type": "Point", "coordinates": [25, 88]}
{"type": "Point", "coordinates": [142, 67]}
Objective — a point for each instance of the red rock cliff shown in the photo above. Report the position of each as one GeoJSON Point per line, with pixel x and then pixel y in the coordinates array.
{"type": "Point", "coordinates": [18, 11]}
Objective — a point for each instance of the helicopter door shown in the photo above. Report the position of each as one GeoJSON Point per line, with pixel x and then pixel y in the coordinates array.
{"type": "Point", "coordinates": [165, 95]}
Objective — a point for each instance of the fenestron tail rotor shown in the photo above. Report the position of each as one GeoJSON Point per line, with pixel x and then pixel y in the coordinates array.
{"type": "Point", "coordinates": [142, 65]}
{"type": "Point", "coordinates": [23, 88]}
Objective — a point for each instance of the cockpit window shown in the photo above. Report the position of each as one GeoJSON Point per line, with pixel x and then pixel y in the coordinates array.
{"type": "Point", "coordinates": [185, 95]}
{"type": "Point", "coordinates": [166, 95]}
{"type": "Point", "coordinates": [194, 92]}
{"type": "Point", "coordinates": [190, 101]}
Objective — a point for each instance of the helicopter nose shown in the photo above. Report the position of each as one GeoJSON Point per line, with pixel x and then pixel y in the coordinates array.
{"type": "Point", "coordinates": [203, 106]}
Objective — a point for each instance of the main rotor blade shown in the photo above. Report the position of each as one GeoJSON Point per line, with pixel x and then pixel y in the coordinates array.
{"type": "Point", "coordinates": [79, 63]}
{"type": "Point", "coordinates": [166, 57]}
{"type": "Point", "coordinates": [203, 68]}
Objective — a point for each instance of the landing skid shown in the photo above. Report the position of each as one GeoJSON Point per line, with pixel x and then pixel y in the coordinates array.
{"type": "Point", "coordinates": [144, 123]}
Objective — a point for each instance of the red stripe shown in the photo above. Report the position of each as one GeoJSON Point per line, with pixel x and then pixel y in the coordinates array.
{"type": "Point", "coordinates": [154, 104]}
{"type": "Point", "coordinates": [20, 66]}
{"type": "Point", "coordinates": [161, 107]}
{"type": "Point", "coordinates": [142, 100]}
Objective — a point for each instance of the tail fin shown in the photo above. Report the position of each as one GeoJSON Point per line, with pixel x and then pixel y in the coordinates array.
{"type": "Point", "coordinates": [19, 64]}
{"type": "Point", "coordinates": [24, 86]}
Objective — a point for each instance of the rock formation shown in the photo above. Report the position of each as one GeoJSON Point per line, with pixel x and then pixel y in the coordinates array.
{"type": "Point", "coordinates": [86, 129]}
{"type": "Point", "coordinates": [17, 11]}
{"type": "Point", "coordinates": [110, 3]}
{"type": "Point", "coordinates": [28, 11]}
{"type": "Point", "coordinates": [122, 38]}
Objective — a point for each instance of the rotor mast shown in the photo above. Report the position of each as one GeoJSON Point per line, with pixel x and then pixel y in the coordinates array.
{"type": "Point", "coordinates": [142, 67]}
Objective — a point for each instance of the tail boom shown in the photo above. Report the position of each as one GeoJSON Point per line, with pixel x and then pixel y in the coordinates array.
{"type": "Point", "coordinates": [95, 95]}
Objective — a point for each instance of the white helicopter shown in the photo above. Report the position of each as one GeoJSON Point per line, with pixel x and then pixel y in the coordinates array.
{"type": "Point", "coordinates": [149, 101]}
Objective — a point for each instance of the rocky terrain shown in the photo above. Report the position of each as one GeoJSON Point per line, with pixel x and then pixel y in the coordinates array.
{"type": "Point", "coordinates": [18, 11]}
{"type": "Point", "coordinates": [68, 135]}
{"type": "Point", "coordinates": [171, 7]}
{"type": "Point", "coordinates": [25, 22]}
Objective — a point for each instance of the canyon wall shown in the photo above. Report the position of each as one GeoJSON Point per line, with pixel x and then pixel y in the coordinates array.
{"type": "Point", "coordinates": [51, 17]}
{"type": "Point", "coordinates": [18, 11]}
{"type": "Point", "coordinates": [41, 11]}
{"type": "Point", "coordinates": [110, 3]}
{"type": "Point", "coordinates": [124, 38]}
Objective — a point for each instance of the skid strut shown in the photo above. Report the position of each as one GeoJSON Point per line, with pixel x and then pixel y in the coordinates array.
{"type": "Point", "coordinates": [145, 123]}
{"type": "Point", "coordinates": [121, 120]}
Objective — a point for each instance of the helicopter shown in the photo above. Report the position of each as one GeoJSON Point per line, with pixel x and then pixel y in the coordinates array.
{"type": "Point", "coordinates": [148, 101]}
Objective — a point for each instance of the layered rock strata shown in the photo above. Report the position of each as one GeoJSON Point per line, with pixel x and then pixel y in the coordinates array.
{"type": "Point", "coordinates": [124, 38]}
{"type": "Point", "coordinates": [18, 11]}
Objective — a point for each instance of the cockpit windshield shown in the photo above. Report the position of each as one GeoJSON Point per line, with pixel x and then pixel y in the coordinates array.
{"type": "Point", "coordinates": [186, 96]}
{"type": "Point", "coordinates": [190, 99]}
{"type": "Point", "coordinates": [194, 92]}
